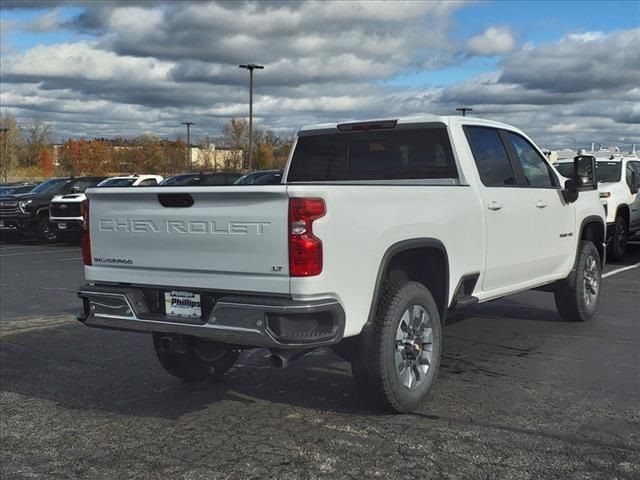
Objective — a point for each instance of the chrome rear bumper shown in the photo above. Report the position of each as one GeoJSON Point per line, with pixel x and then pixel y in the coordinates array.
{"type": "Point", "coordinates": [239, 320]}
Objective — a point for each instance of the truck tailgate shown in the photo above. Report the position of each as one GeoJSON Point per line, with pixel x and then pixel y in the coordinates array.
{"type": "Point", "coordinates": [229, 238]}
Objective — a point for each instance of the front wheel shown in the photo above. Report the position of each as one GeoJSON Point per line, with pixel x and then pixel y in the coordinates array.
{"type": "Point", "coordinates": [193, 360]}
{"type": "Point", "coordinates": [398, 359]}
{"type": "Point", "coordinates": [577, 295]}
{"type": "Point", "coordinates": [46, 230]}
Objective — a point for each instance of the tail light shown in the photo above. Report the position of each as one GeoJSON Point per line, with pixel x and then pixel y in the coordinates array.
{"type": "Point", "coordinates": [85, 240]}
{"type": "Point", "coordinates": [305, 249]}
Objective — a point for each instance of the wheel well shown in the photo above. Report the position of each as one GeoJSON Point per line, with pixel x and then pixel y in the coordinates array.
{"type": "Point", "coordinates": [42, 212]}
{"type": "Point", "coordinates": [427, 265]}
{"type": "Point", "coordinates": [594, 232]}
{"type": "Point", "coordinates": [624, 211]}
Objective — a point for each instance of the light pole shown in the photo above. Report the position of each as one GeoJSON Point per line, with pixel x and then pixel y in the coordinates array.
{"type": "Point", "coordinates": [188, 124]}
{"type": "Point", "coordinates": [251, 67]}
{"type": "Point", "coordinates": [4, 153]}
{"type": "Point", "coordinates": [464, 110]}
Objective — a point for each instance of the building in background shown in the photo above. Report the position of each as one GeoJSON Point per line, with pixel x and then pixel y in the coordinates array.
{"type": "Point", "coordinates": [210, 158]}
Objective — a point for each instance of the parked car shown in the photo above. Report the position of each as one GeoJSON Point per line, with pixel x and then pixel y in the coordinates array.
{"type": "Point", "coordinates": [618, 180]}
{"type": "Point", "coordinates": [379, 229]}
{"type": "Point", "coordinates": [16, 188]}
{"type": "Point", "coordinates": [28, 214]}
{"type": "Point", "coordinates": [65, 209]}
{"type": "Point", "coordinates": [132, 181]}
{"type": "Point", "coordinates": [200, 179]}
{"type": "Point", "coordinates": [261, 177]}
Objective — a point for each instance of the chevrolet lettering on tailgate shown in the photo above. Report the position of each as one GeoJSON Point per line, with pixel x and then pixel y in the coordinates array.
{"type": "Point", "coordinates": [182, 226]}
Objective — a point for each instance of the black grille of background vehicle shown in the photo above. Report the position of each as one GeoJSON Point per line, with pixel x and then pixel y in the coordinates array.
{"type": "Point", "coordinates": [9, 209]}
{"type": "Point", "coordinates": [69, 210]}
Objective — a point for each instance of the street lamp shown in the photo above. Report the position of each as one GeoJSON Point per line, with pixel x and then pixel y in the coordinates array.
{"type": "Point", "coordinates": [251, 67]}
{"type": "Point", "coordinates": [464, 110]}
{"type": "Point", "coordinates": [4, 153]}
{"type": "Point", "coordinates": [188, 124]}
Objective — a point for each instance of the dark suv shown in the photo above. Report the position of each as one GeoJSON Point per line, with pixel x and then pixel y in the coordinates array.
{"type": "Point", "coordinates": [29, 213]}
{"type": "Point", "coordinates": [201, 179]}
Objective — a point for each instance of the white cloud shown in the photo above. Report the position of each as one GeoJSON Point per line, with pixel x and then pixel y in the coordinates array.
{"type": "Point", "coordinates": [493, 41]}
{"type": "Point", "coordinates": [151, 67]}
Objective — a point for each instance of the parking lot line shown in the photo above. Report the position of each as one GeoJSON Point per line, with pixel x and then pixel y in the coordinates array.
{"type": "Point", "coordinates": [38, 253]}
{"type": "Point", "coordinates": [620, 270]}
{"type": "Point", "coordinates": [13, 247]}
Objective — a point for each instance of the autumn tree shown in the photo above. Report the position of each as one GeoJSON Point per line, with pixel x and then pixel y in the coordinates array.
{"type": "Point", "coordinates": [235, 135]}
{"type": "Point", "coordinates": [45, 160]}
{"type": "Point", "coordinates": [87, 157]}
{"type": "Point", "coordinates": [14, 142]}
{"type": "Point", "coordinates": [37, 135]}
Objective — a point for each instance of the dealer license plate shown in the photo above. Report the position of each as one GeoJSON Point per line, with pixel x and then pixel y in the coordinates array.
{"type": "Point", "coordinates": [183, 304]}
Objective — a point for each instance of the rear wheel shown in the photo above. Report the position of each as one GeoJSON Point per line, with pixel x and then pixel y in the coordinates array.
{"type": "Point", "coordinates": [618, 245]}
{"type": "Point", "coordinates": [191, 359]}
{"type": "Point", "coordinates": [397, 362]}
{"type": "Point", "coordinates": [577, 295]}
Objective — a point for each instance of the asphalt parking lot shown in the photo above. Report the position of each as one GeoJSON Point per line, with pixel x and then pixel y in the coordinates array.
{"type": "Point", "coordinates": [520, 395]}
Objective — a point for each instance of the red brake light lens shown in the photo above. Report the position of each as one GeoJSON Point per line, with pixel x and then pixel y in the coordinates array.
{"type": "Point", "coordinates": [85, 239]}
{"type": "Point", "coordinates": [305, 249]}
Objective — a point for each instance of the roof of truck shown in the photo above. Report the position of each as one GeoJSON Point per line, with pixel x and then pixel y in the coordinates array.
{"type": "Point", "coordinates": [447, 120]}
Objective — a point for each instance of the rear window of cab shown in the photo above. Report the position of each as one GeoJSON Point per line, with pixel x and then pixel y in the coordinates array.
{"type": "Point", "coordinates": [420, 153]}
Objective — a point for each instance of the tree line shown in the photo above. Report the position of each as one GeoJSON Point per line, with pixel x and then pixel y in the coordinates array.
{"type": "Point", "coordinates": [31, 152]}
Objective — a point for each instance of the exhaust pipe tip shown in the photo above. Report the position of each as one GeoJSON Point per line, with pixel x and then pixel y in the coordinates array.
{"type": "Point", "coordinates": [278, 361]}
{"type": "Point", "coordinates": [281, 358]}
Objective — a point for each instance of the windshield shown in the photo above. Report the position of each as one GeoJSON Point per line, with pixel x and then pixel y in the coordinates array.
{"type": "Point", "coordinates": [565, 169]}
{"type": "Point", "coordinates": [181, 180]}
{"type": "Point", "coordinates": [51, 186]}
{"type": "Point", "coordinates": [118, 182]}
{"type": "Point", "coordinates": [260, 178]}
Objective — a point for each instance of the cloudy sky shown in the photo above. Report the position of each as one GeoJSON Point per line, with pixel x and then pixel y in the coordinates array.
{"type": "Point", "coordinates": [565, 72]}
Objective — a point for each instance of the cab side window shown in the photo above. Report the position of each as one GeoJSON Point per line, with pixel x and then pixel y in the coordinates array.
{"type": "Point", "coordinates": [148, 182]}
{"type": "Point", "coordinates": [537, 171]}
{"type": "Point", "coordinates": [490, 156]}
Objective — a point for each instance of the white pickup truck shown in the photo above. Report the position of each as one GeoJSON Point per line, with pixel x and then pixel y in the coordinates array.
{"type": "Point", "coordinates": [378, 230]}
{"type": "Point", "coordinates": [64, 210]}
{"type": "Point", "coordinates": [618, 179]}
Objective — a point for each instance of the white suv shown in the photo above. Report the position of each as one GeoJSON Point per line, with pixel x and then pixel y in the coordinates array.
{"type": "Point", "coordinates": [618, 180]}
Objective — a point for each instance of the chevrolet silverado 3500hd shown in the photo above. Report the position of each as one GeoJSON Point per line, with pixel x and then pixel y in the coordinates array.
{"type": "Point", "coordinates": [378, 230]}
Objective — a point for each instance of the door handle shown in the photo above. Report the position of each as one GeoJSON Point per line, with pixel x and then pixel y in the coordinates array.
{"type": "Point", "coordinates": [493, 205]}
{"type": "Point", "coordinates": [540, 204]}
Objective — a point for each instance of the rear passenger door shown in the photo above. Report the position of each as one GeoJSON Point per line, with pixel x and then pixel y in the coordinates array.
{"type": "Point", "coordinates": [511, 251]}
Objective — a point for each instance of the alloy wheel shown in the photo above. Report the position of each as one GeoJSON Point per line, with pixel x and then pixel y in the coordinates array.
{"type": "Point", "coordinates": [591, 280]}
{"type": "Point", "coordinates": [414, 346]}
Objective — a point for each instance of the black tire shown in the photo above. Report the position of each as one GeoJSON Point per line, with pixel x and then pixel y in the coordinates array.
{"type": "Point", "coordinates": [577, 295]}
{"type": "Point", "coordinates": [200, 361]}
{"type": "Point", "coordinates": [618, 245]}
{"type": "Point", "coordinates": [46, 230]}
{"type": "Point", "coordinates": [379, 373]}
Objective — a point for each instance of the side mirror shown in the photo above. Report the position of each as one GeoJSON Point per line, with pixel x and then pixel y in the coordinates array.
{"type": "Point", "coordinates": [570, 192]}
{"type": "Point", "coordinates": [584, 172]}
